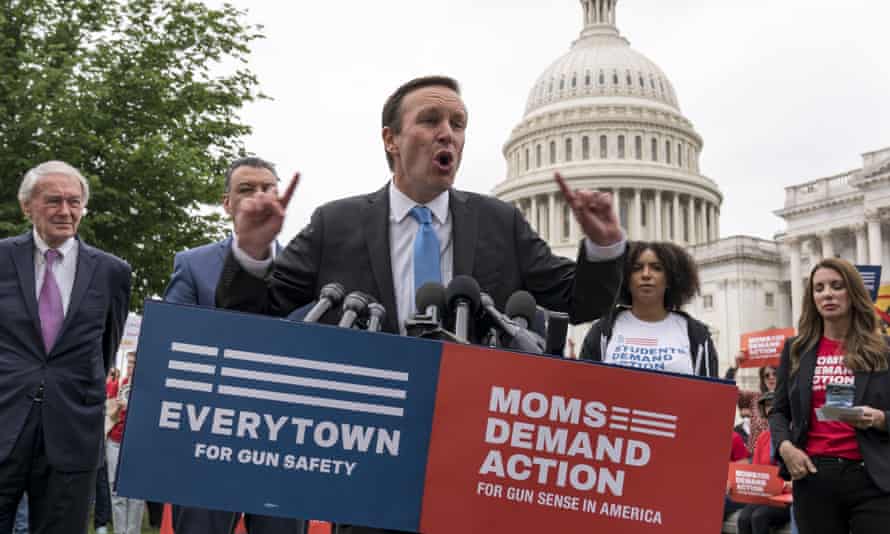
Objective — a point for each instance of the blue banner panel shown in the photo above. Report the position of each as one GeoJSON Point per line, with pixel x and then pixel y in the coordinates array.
{"type": "Point", "coordinates": [871, 275]}
{"type": "Point", "coordinates": [257, 414]}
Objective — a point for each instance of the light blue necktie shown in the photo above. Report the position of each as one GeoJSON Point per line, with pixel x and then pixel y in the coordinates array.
{"type": "Point", "coordinates": [426, 249]}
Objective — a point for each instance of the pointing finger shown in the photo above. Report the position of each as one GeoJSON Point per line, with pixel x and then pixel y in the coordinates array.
{"type": "Point", "coordinates": [289, 192]}
{"type": "Point", "coordinates": [564, 187]}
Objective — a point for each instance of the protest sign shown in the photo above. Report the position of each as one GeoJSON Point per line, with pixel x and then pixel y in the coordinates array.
{"type": "Point", "coordinates": [871, 276]}
{"type": "Point", "coordinates": [755, 484]}
{"type": "Point", "coordinates": [764, 347]}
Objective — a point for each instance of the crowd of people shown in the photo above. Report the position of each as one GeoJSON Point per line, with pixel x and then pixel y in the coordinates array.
{"type": "Point", "coordinates": [62, 326]}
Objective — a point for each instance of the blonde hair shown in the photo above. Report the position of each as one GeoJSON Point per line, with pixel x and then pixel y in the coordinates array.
{"type": "Point", "coordinates": [864, 346]}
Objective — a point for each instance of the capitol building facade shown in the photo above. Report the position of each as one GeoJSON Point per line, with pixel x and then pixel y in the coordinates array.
{"type": "Point", "coordinates": [608, 118]}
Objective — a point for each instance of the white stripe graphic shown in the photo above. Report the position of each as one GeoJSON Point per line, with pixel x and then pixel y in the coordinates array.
{"type": "Point", "coordinates": [316, 365]}
{"type": "Point", "coordinates": [314, 383]}
{"type": "Point", "coordinates": [178, 365]}
{"type": "Point", "coordinates": [652, 432]}
{"type": "Point", "coordinates": [175, 383]}
{"type": "Point", "coordinates": [618, 427]}
{"type": "Point", "coordinates": [620, 418]}
{"type": "Point", "coordinates": [655, 415]}
{"type": "Point", "coordinates": [657, 424]}
{"type": "Point", "coordinates": [619, 409]}
{"type": "Point", "coordinates": [311, 401]}
{"type": "Point", "coordinates": [200, 350]}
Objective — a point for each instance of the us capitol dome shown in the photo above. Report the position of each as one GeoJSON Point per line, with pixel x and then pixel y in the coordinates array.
{"type": "Point", "coordinates": [607, 117]}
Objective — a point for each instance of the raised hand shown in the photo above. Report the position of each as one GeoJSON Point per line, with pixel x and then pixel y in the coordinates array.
{"type": "Point", "coordinates": [594, 213]}
{"type": "Point", "coordinates": [259, 220]}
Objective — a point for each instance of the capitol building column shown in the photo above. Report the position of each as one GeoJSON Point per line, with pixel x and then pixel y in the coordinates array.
{"type": "Point", "coordinates": [827, 244]}
{"type": "Point", "coordinates": [636, 227]}
{"type": "Point", "coordinates": [794, 267]}
{"type": "Point", "coordinates": [873, 220]}
{"type": "Point", "coordinates": [551, 213]}
{"type": "Point", "coordinates": [657, 218]}
{"type": "Point", "coordinates": [678, 233]}
{"type": "Point", "coordinates": [861, 244]}
{"type": "Point", "coordinates": [690, 221]}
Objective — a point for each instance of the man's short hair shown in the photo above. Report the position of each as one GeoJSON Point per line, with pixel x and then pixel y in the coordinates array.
{"type": "Point", "coordinates": [250, 161]}
{"type": "Point", "coordinates": [26, 189]}
{"type": "Point", "coordinates": [392, 109]}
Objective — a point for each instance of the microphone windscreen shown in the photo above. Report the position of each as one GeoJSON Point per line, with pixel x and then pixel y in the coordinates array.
{"type": "Point", "coordinates": [521, 304]}
{"type": "Point", "coordinates": [431, 294]}
{"type": "Point", "coordinates": [357, 301]}
{"type": "Point", "coordinates": [333, 291]}
{"type": "Point", "coordinates": [465, 287]}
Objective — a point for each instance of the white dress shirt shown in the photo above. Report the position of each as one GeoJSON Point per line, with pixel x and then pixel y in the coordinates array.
{"type": "Point", "coordinates": [64, 269]}
{"type": "Point", "coordinates": [402, 231]}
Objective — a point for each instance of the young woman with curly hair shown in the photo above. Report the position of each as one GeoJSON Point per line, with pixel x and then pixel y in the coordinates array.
{"type": "Point", "coordinates": [647, 329]}
{"type": "Point", "coordinates": [841, 469]}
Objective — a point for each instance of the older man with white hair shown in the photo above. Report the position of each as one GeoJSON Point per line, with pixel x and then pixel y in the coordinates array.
{"type": "Point", "coordinates": [63, 305]}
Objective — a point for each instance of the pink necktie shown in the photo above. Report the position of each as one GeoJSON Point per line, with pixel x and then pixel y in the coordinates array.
{"type": "Point", "coordinates": [50, 303]}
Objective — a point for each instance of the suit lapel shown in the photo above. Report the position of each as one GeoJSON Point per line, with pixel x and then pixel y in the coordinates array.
{"type": "Point", "coordinates": [464, 232]}
{"type": "Point", "coordinates": [23, 256]}
{"type": "Point", "coordinates": [805, 372]}
{"type": "Point", "coordinates": [375, 222]}
{"type": "Point", "coordinates": [861, 383]}
{"type": "Point", "coordinates": [86, 267]}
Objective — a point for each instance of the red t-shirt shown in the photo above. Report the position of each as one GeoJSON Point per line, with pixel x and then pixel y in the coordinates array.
{"type": "Point", "coordinates": [117, 431]}
{"type": "Point", "coordinates": [762, 449]}
{"type": "Point", "coordinates": [830, 438]}
{"type": "Point", "coordinates": [110, 389]}
{"type": "Point", "coordinates": [739, 451]}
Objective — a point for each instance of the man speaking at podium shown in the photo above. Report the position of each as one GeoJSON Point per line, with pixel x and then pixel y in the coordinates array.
{"type": "Point", "coordinates": [418, 229]}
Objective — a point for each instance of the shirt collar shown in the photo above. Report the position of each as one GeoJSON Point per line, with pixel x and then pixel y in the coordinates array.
{"type": "Point", "coordinates": [66, 248]}
{"type": "Point", "coordinates": [400, 204]}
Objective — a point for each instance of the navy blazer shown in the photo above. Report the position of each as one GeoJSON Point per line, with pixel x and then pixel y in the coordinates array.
{"type": "Point", "coordinates": [196, 273]}
{"type": "Point", "coordinates": [790, 418]}
{"type": "Point", "coordinates": [73, 372]}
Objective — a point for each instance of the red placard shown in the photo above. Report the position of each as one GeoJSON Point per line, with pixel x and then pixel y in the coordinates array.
{"type": "Point", "coordinates": [754, 484]}
{"type": "Point", "coordinates": [532, 444]}
{"type": "Point", "coordinates": [764, 347]}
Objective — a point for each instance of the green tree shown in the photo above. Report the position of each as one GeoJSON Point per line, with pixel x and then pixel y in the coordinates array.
{"type": "Point", "coordinates": [142, 96]}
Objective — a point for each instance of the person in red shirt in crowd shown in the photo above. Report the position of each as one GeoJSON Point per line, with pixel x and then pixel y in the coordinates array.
{"type": "Point", "coordinates": [126, 513]}
{"type": "Point", "coordinates": [761, 518]}
{"type": "Point", "coordinates": [841, 468]}
{"type": "Point", "coordinates": [111, 383]}
{"type": "Point", "coordinates": [748, 403]}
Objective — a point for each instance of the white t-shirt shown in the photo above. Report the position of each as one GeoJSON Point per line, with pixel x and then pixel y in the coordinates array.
{"type": "Point", "coordinates": [659, 346]}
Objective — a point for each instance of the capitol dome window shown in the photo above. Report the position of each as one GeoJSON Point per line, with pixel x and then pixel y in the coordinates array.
{"type": "Point", "coordinates": [587, 79]}
{"type": "Point", "coordinates": [602, 78]}
{"type": "Point", "coordinates": [574, 81]}
{"type": "Point", "coordinates": [615, 78]}
{"type": "Point", "coordinates": [527, 159]}
{"type": "Point", "coordinates": [569, 149]}
{"type": "Point", "coordinates": [552, 152]}
{"type": "Point", "coordinates": [538, 156]}
{"type": "Point", "coordinates": [585, 147]}
{"type": "Point", "coordinates": [679, 155]}
{"type": "Point", "coordinates": [562, 84]}
{"type": "Point", "coordinates": [603, 147]}
{"type": "Point", "coordinates": [642, 82]}
{"type": "Point", "coordinates": [630, 81]}
{"type": "Point", "coordinates": [638, 147]}
{"type": "Point", "coordinates": [667, 152]}
{"type": "Point", "coordinates": [621, 147]}
{"type": "Point", "coordinates": [654, 149]}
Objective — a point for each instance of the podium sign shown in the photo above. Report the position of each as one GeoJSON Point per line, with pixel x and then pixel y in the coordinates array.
{"type": "Point", "coordinates": [256, 414]}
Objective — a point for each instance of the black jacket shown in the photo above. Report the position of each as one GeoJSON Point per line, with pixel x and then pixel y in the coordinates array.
{"type": "Point", "coordinates": [790, 418]}
{"type": "Point", "coordinates": [701, 346]}
{"type": "Point", "coordinates": [347, 241]}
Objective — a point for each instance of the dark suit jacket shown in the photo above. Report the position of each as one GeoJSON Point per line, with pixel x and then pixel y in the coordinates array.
{"type": "Point", "coordinates": [73, 373]}
{"type": "Point", "coordinates": [196, 272]}
{"type": "Point", "coordinates": [790, 418]}
{"type": "Point", "coordinates": [347, 241]}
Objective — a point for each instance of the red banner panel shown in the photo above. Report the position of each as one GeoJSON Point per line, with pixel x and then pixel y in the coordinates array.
{"type": "Point", "coordinates": [533, 444]}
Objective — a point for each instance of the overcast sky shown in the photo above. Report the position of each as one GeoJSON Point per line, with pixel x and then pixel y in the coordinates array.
{"type": "Point", "coordinates": [781, 92]}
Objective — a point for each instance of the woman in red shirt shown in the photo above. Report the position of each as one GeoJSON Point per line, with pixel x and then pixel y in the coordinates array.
{"type": "Point", "coordinates": [841, 468]}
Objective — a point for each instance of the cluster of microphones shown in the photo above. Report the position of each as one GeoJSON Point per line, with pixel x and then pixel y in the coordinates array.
{"type": "Point", "coordinates": [460, 313]}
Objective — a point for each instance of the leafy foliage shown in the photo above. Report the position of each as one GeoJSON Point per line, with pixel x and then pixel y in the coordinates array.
{"type": "Point", "coordinates": [130, 93]}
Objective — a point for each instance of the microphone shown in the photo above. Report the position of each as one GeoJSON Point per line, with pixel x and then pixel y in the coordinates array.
{"type": "Point", "coordinates": [557, 328]}
{"type": "Point", "coordinates": [353, 305]}
{"type": "Point", "coordinates": [431, 301]}
{"type": "Point", "coordinates": [377, 313]}
{"type": "Point", "coordinates": [330, 296]}
{"type": "Point", "coordinates": [521, 308]}
{"type": "Point", "coordinates": [463, 298]}
{"type": "Point", "coordinates": [515, 336]}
